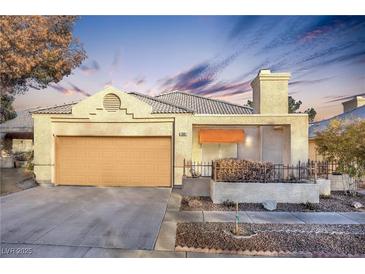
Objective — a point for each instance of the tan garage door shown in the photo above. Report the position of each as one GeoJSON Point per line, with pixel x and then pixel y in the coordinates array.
{"type": "Point", "coordinates": [113, 161]}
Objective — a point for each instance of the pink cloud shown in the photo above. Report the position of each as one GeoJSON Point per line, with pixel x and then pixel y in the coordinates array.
{"type": "Point", "coordinates": [314, 34]}
{"type": "Point", "coordinates": [69, 91]}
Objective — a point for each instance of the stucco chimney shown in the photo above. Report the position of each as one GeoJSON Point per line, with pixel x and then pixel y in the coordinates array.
{"type": "Point", "coordinates": [355, 102]}
{"type": "Point", "coordinates": [270, 92]}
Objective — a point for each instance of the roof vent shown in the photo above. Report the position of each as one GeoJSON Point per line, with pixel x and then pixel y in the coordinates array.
{"type": "Point", "coordinates": [111, 102]}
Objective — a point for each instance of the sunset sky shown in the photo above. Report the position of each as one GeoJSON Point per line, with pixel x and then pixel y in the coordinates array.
{"type": "Point", "coordinates": [216, 56]}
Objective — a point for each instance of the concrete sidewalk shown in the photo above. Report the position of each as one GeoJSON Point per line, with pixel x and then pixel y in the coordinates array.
{"type": "Point", "coordinates": [263, 217]}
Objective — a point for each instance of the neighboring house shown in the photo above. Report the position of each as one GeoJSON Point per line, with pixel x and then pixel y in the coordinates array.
{"type": "Point", "coordinates": [352, 110]}
{"type": "Point", "coordinates": [115, 138]}
{"type": "Point", "coordinates": [17, 134]}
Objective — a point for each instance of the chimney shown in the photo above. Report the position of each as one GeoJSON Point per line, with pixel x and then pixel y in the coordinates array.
{"type": "Point", "coordinates": [270, 92]}
{"type": "Point", "coordinates": [354, 103]}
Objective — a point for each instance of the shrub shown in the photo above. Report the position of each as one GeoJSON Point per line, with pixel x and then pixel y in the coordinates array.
{"type": "Point", "coordinates": [229, 203]}
{"type": "Point", "coordinates": [344, 142]}
{"type": "Point", "coordinates": [310, 206]}
{"type": "Point", "coordinates": [29, 158]}
{"type": "Point", "coordinates": [235, 170]}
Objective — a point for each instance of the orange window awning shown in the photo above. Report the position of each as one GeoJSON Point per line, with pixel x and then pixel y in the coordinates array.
{"type": "Point", "coordinates": [221, 136]}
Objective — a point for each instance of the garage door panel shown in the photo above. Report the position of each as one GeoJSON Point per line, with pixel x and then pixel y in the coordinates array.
{"type": "Point", "coordinates": [113, 161]}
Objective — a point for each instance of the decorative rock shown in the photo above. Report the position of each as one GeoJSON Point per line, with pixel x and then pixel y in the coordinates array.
{"type": "Point", "coordinates": [195, 203]}
{"type": "Point", "coordinates": [357, 205]}
{"type": "Point", "coordinates": [269, 205]}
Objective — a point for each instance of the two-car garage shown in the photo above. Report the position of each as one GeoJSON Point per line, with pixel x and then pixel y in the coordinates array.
{"type": "Point", "coordinates": [113, 161]}
{"type": "Point", "coordinates": [109, 139]}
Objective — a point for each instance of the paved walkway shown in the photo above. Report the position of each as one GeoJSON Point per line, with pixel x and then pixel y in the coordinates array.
{"type": "Point", "coordinates": [263, 217]}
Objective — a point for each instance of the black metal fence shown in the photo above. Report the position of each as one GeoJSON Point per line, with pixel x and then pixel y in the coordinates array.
{"type": "Point", "coordinates": [198, 169]}
{"type": "Point", "coordinates": [269, 172]}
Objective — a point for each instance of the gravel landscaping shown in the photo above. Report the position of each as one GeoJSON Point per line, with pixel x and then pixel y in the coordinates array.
{"type": "Point", "coordinates": [338, 201]}
{"type": "Point", "coordinates": [317, 240]}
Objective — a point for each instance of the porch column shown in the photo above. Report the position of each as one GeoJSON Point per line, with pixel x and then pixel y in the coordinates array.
{"type": "Point", "coordinates": [182, 146]}
{"type": "Point", "coordinates": [299, 141]}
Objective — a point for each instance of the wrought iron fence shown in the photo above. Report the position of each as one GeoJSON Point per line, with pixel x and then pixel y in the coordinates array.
{"type": "Point", "coordinates": [269, 172]}
{"type": "Point", "coordinates": [198, 169]}
{"type": "Point", "coordinates": [265, 173]}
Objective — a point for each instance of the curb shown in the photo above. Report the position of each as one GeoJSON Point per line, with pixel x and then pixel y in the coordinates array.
{"type": "Point", "coordinates": [267, 253]}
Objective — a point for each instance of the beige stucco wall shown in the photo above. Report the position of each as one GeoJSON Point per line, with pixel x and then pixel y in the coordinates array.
{"type": "Point", "coordinates": [296, 128]}
{"type": "Point", "coordinates": [312, 151]}
{"type": "Point", "coordinates": [275, 144]}
{"type": "Point", "coordinates": [270, 92]}
{"type": "Point", "coordinates": [261, 143]}
{"type": "Point", "coordinates": [22, 145]}
{"type": "Point", "coordinates": [250, 149]}
{"type": "Point", "coordinates": [43, 143]}
{"type": "Point", "coordinates": [88, 118]}
{"type": "Point", "coordinates": [183, 144]}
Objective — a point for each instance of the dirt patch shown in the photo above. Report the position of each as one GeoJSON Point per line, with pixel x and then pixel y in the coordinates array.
{"type": "Point", "coordinates": [338, 201]}
{"type": "Point", "coordinates": [332, 240]}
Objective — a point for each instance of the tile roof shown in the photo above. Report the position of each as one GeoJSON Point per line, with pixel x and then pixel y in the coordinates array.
{"type": "Point", "coordinates": [174, 102]}
{"type": "Point", "coordinates": [23, 122]}
{"type": "Point", "coordinates": [357, 113]}
{"type": "Point", "coordinates": [203, 105]}
{"type": "Point", "coordinates": [61, 109]}
{"type": "Point", "coordinates": [159, 106]}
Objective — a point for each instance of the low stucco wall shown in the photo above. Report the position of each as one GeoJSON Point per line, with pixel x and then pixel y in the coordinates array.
{"type": "Point", "coordinates": [259, 192]}
{"type": "Point", "coordinates": [324, 187]}
{"type": "Point", "coordinates": [340, 182]}
{"type": "Point", "coordinates": [196, 186]}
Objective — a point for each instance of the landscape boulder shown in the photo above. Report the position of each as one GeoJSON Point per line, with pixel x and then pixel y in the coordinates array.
{"type": "Point", "coordinates": [269, 205]}
{"type": "Point", "coordinates": [357, 205]}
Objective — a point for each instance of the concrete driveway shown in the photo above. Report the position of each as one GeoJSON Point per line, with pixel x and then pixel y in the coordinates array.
{"type": "Point", "coordinates": [127, 218]}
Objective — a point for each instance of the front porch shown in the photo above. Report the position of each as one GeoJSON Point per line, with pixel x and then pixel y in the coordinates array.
{"type": "Point", "coordinates": [264, 143]}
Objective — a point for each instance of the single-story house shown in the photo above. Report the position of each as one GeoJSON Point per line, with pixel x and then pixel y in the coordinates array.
{"type": "Point", "coordinates": [115, 138]}
{"type": "Point", "coordinates": [17, 134]}
{"type": "Point", "coordinates": [353, 109]}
